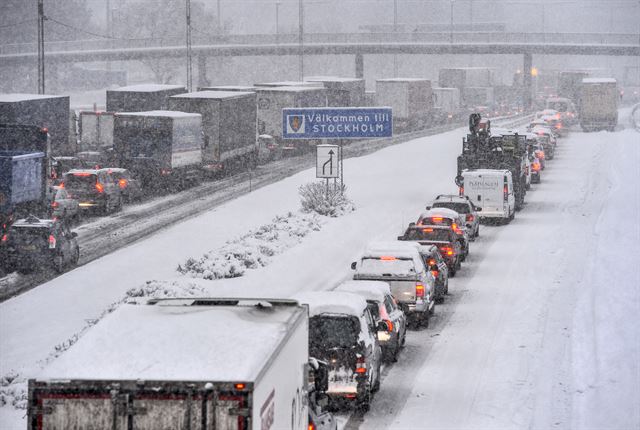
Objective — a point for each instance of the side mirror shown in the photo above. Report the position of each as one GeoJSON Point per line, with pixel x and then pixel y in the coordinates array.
{"type": "Point", "coordinates": [353, 265]}
{"type": "Point", "coordinates": [382, 326]}
{"type": "Point", "coordinates": [478, 209]}
{"type": "Point", "coordinates": [428, 207]}
{"type": "Point", "coordinates": [401, 237]}
{"type": "Point", "coordinates": [74, 234]}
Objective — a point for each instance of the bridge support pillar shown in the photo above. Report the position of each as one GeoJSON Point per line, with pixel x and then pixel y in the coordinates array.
{"type": "Point", "coordinates": [359, 66]}
{"type": "Point", "coordinates": [202, 71]}
{"type": "Point", "coordinates": [526, 83]}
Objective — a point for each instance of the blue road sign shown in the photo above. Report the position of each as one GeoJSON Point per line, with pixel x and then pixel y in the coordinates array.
{"type": "Point", "coordinates": [336, 123]}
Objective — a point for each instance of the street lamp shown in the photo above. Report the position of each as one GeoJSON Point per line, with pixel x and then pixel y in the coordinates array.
{"type": "Point", "coordinates": [300, 39]}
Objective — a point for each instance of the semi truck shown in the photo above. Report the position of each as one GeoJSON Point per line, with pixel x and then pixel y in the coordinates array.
{"type": "Point", "coordinates": [160, 147]}
{"type": "Point", "coordinates": [197, 364]}
{"type": "Point", "coordinates": [341, 92]}
{"type": "Point", "coordinates": [569, 83]}
{"type": "Point", "coordinates": [598, 106]}
{"type": "Point", "coordinates": [506, 150]}
{"type": "Point", "coordinates": [142, 98]}
{"type": "Point", "coordinates": [229, 126]}
{"type": "Point", "coordinates": [95, 130]}
{"type": "Point", "coordinates": [271, 101]}
{"type": "Point", "coordinates": [44, 111]}
{"type": "Point", "coordinates": [462, 77]}
{"type": "Point", "coordinates": [410, 99]}
{"type": "Point", "coordinates": [446, 104]}
{"type": "Point", "coordinates": [22, 185]}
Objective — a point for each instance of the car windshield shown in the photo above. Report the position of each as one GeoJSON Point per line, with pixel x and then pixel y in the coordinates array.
{"type": "Point", "coordinates": [79, 181]}
{"type": "Point", "coordinates": [328, 331]}
{"type": "Point", "coordinates": [428, 234]}
{"type": "Point", "coordinates": [461, 208]}
{"type": "Point", "coordinates": [386, 266]}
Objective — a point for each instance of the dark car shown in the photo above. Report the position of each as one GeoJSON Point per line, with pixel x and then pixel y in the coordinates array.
{"type": "Point", "coordinates": [31, 243]}
{"type": "Point", "coordinates": [443, 237]}
{"type": "Point", "coordinates": [384, 308]}
{"type": "Point", "coordinates": [130, 187]}
{"type": "Point", "coordinates": [94, 189]}
{"type": "Point", "coordinates": [438, 266]}
{"type": "Point", "coordinates": [343, 333]}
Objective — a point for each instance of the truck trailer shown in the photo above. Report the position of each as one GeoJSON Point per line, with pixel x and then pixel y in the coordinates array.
{"type": "Point", "coordinates": [410, 99]}
{"type": "Point", "coordinates": [142, 98]}
{"type": "Point", "coordinates": [599, 99]}
{"type": "Point", "coordinates": [22, 185]}
{"type": "Point", "coordinates": [196, 364]}
{"type": "Point", "coordinates": [342, 92]}
{"type": "Point", "coordinates": [229, 126]}
{"type": "Point", "coordinates": [44, 111]}
{"type": "Point", "coordinates": [160, 147]}
{"type": "Point", "coordinates": [271, 102]}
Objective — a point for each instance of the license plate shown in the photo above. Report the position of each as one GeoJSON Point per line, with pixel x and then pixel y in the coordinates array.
{"type": "Point", "coordinates": [28, 247]}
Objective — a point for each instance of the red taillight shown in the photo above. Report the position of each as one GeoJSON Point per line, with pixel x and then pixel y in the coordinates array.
{"type": "Point", "coordinates": [361, 365]}
{"type": "Point", "coordinates": [419, 290]}
{"type": "Point", "coordinates": [82, 174]}
{"type": "Point", "coordinates": [461, 191]}
{"type": "Point", "coordinates": [165, 172]}
{"type": "Point", "coordinates": [240, 386]}
{"type": "Point", "coordinates": [389, 325]}
{"type": "Point", "coordinates": [469, 217]}
{"type": "Point", "coordinates": [99, 187]}
{"type": "Point", "coordinates": [558, 126]}
{"type": "Point", "coordinates": [387, 258]}
{"type": "Point", "coordinates": [535, 166]}
{"type": "Point", "coordinates": [431, 262]}
{"type": "Point", "coordinates": [436, 219]}
{"type": "Point", "coordinates": [434, 273]}
{"type": "Point", "coordinates": [55, 205]}
{"type": "Point", "coordinates": [52, 242]}
{"type": "Point", "coordinates": [446, 250]}
{"type": "Point", "coordinates": [5, 238]}
{"type": "Point", "coordinates": [122, 183]}
{"type": "Point", "coordinates": [311, 426]}
{"type": "Point", "coordinates": [61, 185]}
{"type": "Point", "coordinates": [427, 230]}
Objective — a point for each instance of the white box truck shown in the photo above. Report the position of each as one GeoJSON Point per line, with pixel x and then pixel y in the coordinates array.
{"type": "Point", "coordinates": [96, 131]}
{"type": "Point", "coordinates": [271, 101]}
{"type": "Point", "coordinates": [410, 99]}
{"type": "Point", "coordinates": [229, 126]}
{"type": "Point", "coordinates": [491, 190]}
{"type": "Point", "coordinates": [197, 364]}
{"type": "Point", "coordinates": [341, 92]}
{"type": "Point", "coordinates": [599, 98]}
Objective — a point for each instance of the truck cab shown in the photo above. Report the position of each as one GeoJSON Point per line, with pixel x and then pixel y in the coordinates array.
{"type": "Point", "coordinates": [491, 190]}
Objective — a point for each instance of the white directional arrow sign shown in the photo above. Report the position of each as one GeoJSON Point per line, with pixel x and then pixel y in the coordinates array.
{"type": "Point", "coordinates": [327, 161]}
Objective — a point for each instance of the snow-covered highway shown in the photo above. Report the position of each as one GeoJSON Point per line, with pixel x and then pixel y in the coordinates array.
{"type": "Point", "coordinates": [539, 330]}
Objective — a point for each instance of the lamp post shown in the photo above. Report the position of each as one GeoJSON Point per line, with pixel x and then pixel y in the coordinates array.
{"type": "Point", "coordinates": [40, 47]}
{"type": "Point", "coordinates": [278, 3]}
{"type": "Point", "coordinates": [300, 40]}
{"type": "Point", "coordinates": [451, 23]}
{"type": "Point", "coordinates": [395, 32]}
{"type": "Point", "coordinates": [189, 67]}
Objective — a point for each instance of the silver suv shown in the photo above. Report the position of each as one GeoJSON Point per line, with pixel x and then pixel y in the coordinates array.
{"type": "Point", "coordinates": [463, 206]}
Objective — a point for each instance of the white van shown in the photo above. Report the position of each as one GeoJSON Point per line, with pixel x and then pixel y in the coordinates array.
{"type": "Point", "coordinates": [492, 190]}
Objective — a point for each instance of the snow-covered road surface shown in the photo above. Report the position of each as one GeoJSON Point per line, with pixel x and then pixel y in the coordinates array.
{"type": "Point", "coordinates": [536, 316]}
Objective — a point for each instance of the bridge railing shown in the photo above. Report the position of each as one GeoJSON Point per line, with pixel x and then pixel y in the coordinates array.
{"type": "Point", "coordinates": [318, 38]}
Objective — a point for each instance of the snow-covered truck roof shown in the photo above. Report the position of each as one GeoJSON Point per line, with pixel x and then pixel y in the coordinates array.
{"type": "Point", "coordinates": [213, 95]}
{"type": "Point", "coordinates": [333, 303]}
{"type": "Point", "coordinates": [161, 113]}
{"type": "Point", "coordinates": [18, 97]}
{"type": "Point", "coordinates": [148, 88]}
{"type": "Point", "coordinates": [369, 290]}
{"type": "Point", "coordinates": [599, 81]}
{"type": "Point", "coordinates": [331, 79]}
{"type": "Point", "coordinates": [181, 339]}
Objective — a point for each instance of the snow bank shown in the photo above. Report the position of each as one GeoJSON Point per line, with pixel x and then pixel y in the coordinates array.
{"type": "Point", "coordinates": [254, 249]}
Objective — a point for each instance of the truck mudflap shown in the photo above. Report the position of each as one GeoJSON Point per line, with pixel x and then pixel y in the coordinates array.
{"type": "Point", "coordinates": [141, 406]}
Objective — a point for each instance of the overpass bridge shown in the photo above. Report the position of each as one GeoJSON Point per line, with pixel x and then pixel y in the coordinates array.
{"type": "Point", "coordinates": [356, 44]}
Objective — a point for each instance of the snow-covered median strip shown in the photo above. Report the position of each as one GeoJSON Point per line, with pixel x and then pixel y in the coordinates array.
{"type": "Point", "coordinates": [256, 248]}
